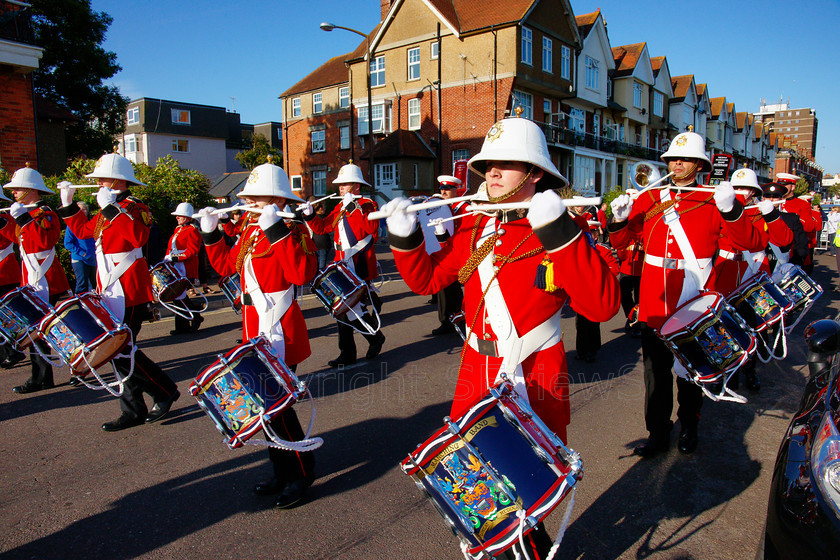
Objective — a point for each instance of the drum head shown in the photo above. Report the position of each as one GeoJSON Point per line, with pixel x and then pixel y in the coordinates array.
{"type": "Point", "coordinates": [688, 314]}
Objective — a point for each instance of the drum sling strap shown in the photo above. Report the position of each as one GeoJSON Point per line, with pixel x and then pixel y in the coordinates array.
{"type": "Point", "coordinates": [36, 273]}
{"type": "Point", "coordinates": [6, 252]}
{"type": "Point", "coordinates": [109, 268]}
{"type": "Point", "coordinates": [781, 256]}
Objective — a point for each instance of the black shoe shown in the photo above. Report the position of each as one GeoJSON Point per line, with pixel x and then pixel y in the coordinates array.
{"type": "Point", "coordinates": [162, 408]}
{"type": "Point", "coordinates": [123, 422]}
{"type": "Point", "coordinates": [444, 328]}
{"type": "Point", "coordinates": [12, 359]}
{"type": "Point", "coordinates": [196, 323]}
{"type": "Point", "coordinates": [75, 381]}
{"type": "Point", "coordinates": [752, 381]}
{"type": "Point", "coordinates": [268, 487]}
{"type": "Point", "coordinates": [652, 446]}
{"type": "Point", "coordinates": [688, 440]}
{"type": "Point", "coordinates": [376, 346]}
{"type": "Point", "coordinates": [342, 361]}
{"type": "Point", "coordinates": [31, 387]}
{"type": "Point", "coordinates": [292, 494]}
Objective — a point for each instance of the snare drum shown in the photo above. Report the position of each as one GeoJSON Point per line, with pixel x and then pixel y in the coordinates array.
{"type": "Point", "coordinates": [760, 302]}
{"type": "Point", "coordinates": [708, 338]}
{"type": "Point", "coordinates": [231, 286]}
{"type": "Point", "coordinates": [800, 289]}
{"type": "Point", "coordinates": [20, 312]}
{"type": "Point", "coordinates": [168, 284]}
{"type": "Point", "coordinates": [338, 288]}
{"type": "Point", "coordinates": [248, 383]}
{"type": "Point", "coordinates": [84, 333]}
{"type": "Point", "coordinates": [480, 470]}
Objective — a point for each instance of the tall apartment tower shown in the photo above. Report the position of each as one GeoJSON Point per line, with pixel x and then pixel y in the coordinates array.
{"type": "Point", "coordinates": [799, 125]}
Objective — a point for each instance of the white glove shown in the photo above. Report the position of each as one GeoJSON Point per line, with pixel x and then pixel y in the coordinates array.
{"type": "Point", "coordinates": [306, 208]}
{"type": "Point", "coordinates": [105, 197]}
{"type": "Point", "coordinates": [65, 192]}
{"type": "Point", "coordinates": [17, 210]}
{"type": "Point", "coordinates": [400, 222]}
{"type": "Point", "coordinates": [167, 258]}
{"type": "Point", "coordinates": [725, 196]}
{"type": "Point", "coordinates": [621, 206]}
{"type": "Point", "coordinates": [223, 216]}
{"type": "Point", "coordinates": [269, 217]}
{"type": "Point", "coordinates": [765, 207]}
{"type": "Point", "coordinates": [545, 208]}
{"type": "Point", "coordinates": [208, 221]}
{"type": "Point", "coordinates": [440, 229]}
{"type": "Point", "coordinates": [348, 199]}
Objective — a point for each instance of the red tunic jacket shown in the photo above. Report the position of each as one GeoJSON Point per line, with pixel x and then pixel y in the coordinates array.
{"type": "Point", "coordinates": [119, 228]}
{"type": "Point", "coordinates": [365, 260]}
{"type": "Point", "coordinates": [702, 222]}
{"type": "Point", "coordinates": [580, 274]}
{"type": "Point", "coordinates": [186, 239]}
{"type": "Point", "coordinates": [9, 266]}
{"type": "Point", "coordinates": [37, 231]}
{"type": "Point", "coordinates": [282, 256]}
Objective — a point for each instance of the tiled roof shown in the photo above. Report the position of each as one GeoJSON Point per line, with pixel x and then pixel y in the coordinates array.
{"type": "Point", "coordinates": [730, 108]}
{"type": "Point", "coordinates": [681, 85]}
{"type": "Point", "coordinates": [717, 105]}
{"type": "Point", "coordinates": [401, 144]}
{"type": "Point", "coordinates": [330, 73]}
{"type": "Point", "coordinates": [740, 119]}
{"type": "Point", "coordinates": [227, 183]}
{"type": "Point", "coordinates": [701, 89]}
{"type": "Point", "coordinates": [626, 57]}
{"type": "Point", "coordinates": [656, 64]}
{"type": "Point", "coordinates": [469, 15]}
{"type": "Point", "coordinates": [586, 21]}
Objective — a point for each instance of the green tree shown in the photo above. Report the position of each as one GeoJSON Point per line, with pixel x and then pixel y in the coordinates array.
{"type": "Point", "coordinates": [72, 71]}
{"type": "Point", "coordinates": [258, 153]}
{"type": "Point", "coordinates": [167, 185]}
{"type": "Point", "coordinates": [802, 187]}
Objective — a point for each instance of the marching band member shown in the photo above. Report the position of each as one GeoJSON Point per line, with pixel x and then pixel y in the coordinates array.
{"type": "Point", "coordinates": [680, 231]}
{"type": "Point", "coordinates": [271, 256]}
{"type": "Point", "coordinates": [450, 298]}
{"type": "Point", "coordinates": [9, 278]}
{"type": "Point", "coordinates": [121, 229]}
{"type": "Point", "coordinates": [631, 261]}
{"type": "Point", "coordinates": [36, 232]}
{"type": "Point", "coordinates": [797, 252]}
{"type": "Point", "coordinates": [182, 250]}
{"type": "Point", "coordinates": [518, 268]}
{"type": "Point", "coordinates": [732, 267]}
{"type": "Point", "coordinates": [802, 208]}
{"type": "Point", "coordinates": [355, 236]}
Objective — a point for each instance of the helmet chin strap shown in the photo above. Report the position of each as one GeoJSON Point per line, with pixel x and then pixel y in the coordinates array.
{"type": "Point", "coordinates": [687, 173]}
{"type": "Point", "coordinates": [502, 198]}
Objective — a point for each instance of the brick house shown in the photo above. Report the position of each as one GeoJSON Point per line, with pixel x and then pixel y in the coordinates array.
{"type": "Point", "coordinates": [19, 57]}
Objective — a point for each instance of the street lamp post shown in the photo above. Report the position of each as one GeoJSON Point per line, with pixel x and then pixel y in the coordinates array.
{"type": "Point", "coordinates": [372, 166]}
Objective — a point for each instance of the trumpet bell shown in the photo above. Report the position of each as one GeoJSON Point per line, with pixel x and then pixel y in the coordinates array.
{"type": "Point", "coordinates": [644, 173]}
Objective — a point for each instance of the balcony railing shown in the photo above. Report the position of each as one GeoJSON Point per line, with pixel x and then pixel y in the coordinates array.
{"type": "Point", "coordinates": [15, 23]}
{"type": "Point", "coordinates": [560, 136]}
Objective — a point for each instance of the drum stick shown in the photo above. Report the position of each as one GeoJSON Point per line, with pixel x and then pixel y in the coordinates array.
{"type": "Point", "coordinates": [422, 206]}
{"type": "Point", "coordinates": [524, 205]}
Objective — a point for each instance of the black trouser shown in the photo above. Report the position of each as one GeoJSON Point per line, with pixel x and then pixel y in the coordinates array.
{"type": "Point", "coordinates": [659, 393]}
{"type": "Point", "coordinates": [42, 371]}
{"type": "Point", "coordinates": [290, 465]}
{"type": "Point", "coordinates": [587, 336]}
{"type": "Point", "coordinates": [182, 324]}
{"type": "Point", "coordinates": [346, 340]}
{"type": "Point", "coordinates": [147, 376]}
{"type": "Point", "coordinates": [449, 302]}
{"type": "Point", "coordinates": [629, 286]}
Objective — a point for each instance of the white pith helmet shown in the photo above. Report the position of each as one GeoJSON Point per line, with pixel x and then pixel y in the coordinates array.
{"type": "Point", "coordinates": [515, 139]}
{"type": "Point", "coordinates": [269, 180]}
{"type": "Point", "coordinates": [350, 173]}
{"type": "Point", "coordinates": [184, 209]}
{"type": "Point", "coordinates": [27, 178]}
{"type": "Point", "coordinates": [114, 166]}
{"type": "Point", "coordinates": [688, 145]}
{"type": "Point", "coordinates": [747, 178]}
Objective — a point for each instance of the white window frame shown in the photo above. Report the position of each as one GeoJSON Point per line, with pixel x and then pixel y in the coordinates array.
{"type": "Point", "coordinates": [413, 61]}
{"type": "Point", "coordinates": [296, 107]}
{"type": "Point", "coordinates": [387, 175]}
{"type": "Point", "coordinates": [377, 71]}
{"type": "Point", "coordinates": [177, 144]}
{"type": "Point", "coordinates": [318, 139]}
{"type": "Point", "coordinates": [565, 62]}
{"type": "Point", "coordinates": [638, 89]}
{"type": "Point", "coordinates": [547, 55]}
{"type": "Point", "coordinates": [319, 183]}
{"type": "Point", "coordinates": [592, 73]}
{"type": "Point", "coordinates": [526, 45]}
{"type": "Point", "coordinates": [596, 124]}
{"type": "Point", "coordinates": [130, 144]}
{"type": "Point", "coordinates": [297, 182]}
{"type": "Point", "coordinates": [414, 114]}
{"type": "Point", "coordinates": [459, 154]}
{"type": "Point", "coordinates": [434, 50]}
{"type": "Point", "coordinates": [178, 117]}
{"type": "Point", "coordinates": [577, 119]}
{"type": "Point", "coordinates": [344, 97]}
{"type": "Point", "coordinates": [381, 112]}
{"type": "Point", "coordinates": [524, 100]}
{"type": "Point", "coordinates": [132, 116]}
{"type": "Point", "coordinates": [344, 136]}
{"type": "Point", "coordinates": [317, 103]}
{"type": "Point", "coordinates": [658, 103]}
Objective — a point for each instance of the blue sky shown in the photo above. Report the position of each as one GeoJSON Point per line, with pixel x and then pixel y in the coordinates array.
{"type": "Point", "coordinates": [210, 51]}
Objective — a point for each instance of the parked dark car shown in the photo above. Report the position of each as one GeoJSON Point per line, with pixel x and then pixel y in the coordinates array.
{"type": "Point", "coordinates": [803, 516]}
